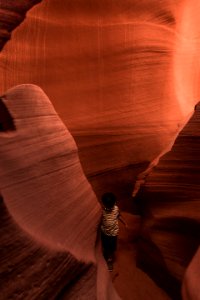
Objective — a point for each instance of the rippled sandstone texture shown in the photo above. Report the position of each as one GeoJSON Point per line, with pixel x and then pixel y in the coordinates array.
{"type": "Point", "coordinates": [119, 73]}
{"type": "Point", "coordinates": [170, 206]}
{"type": "Point", "coordinates": [123, 76]}
{"type": "Point", "coordinates": [12, 13]}
{"type": "Point", "coordinates": [191, 289]}
{"type": "Point", "coordinates": [49, 213]}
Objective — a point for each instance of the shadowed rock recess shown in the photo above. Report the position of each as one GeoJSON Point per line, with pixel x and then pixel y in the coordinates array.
{"type": "Point", "coordinates": [12, 13]}
{"type": "Point", "coordinates": [191, 288]}
{"type": "Point", "coordinates": [169, 204]}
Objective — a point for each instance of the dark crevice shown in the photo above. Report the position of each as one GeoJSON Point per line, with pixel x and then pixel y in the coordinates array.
{"type": "Point", "coordinates": [6, 120]}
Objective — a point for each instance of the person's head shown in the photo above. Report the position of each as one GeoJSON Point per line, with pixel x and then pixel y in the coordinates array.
{"type": "Point", "coordinates": [108, 200]}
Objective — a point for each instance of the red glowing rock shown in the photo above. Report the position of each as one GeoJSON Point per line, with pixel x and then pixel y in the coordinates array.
{"type": "Point", "coordinates": [124, 78]}
{"type": "Point", "coordinates": [170, 207]}
{"type": "Point", "coordinates": [41, 178]}
{"type": "Point", "coordinates": [52, 209]}
{"type": "Point", "coordinates": [190, 289]}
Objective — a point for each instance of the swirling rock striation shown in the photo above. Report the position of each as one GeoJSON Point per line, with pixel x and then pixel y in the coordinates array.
{"type": "Point", "coordinates": [120, 74]}
{"type": "Point", "coordinates": [30, 270]}
{"type": "Point", "coordinates": [12, 13]}
{"type": "Point", "coordinates": [191, 288]}
{"type": "Point", "coordinates": [170, 206]}
{"type": "Point", "coordinates": [51, 213]}
{"type": "Point", "coordinates": [110, 68]}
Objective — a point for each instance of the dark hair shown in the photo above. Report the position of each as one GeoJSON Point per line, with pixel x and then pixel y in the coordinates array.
{"type": "Point", "coordinates": [108, 200]}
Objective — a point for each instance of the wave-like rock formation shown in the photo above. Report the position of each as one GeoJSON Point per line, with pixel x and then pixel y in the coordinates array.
{"type": "Point", "coordinates": [121, 76]}
{"type": "Point", "coordinates": [31, 271]}
{"type": "Point", "coordinates": [191, 288]}
{"type": "Point", "coordinates": [12, 13]}
{"type": "Point", "coordinates": [114, 71]}
{"type": "Point", "coordinates": [170, 206]}
{"type": "Point", "coordinates": [49, 212]}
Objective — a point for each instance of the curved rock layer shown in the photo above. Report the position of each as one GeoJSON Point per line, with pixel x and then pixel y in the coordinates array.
{"type": "Point", "coordinates": [51, 215]}
{"type": "Point", "coordinates": [41, 156]}
{"type": "Point", "coordinates": [26, 266]}
{"type": "Point", "coordinates": [191, 289]}
{"type": "Point", "coordinates": [31, 271]}
{"type": "Point", "coordinates": [170, 206]}
{"type": "Point", "coordinates": [12, 13]}
{"type": "Point", "coordinates": [114, 72]}
{"type": "Point", "coordinates": [121, 75]}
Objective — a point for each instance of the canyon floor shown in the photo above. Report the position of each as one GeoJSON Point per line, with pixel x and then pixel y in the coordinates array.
{"type": "Point", "coordinates": [131, 282]}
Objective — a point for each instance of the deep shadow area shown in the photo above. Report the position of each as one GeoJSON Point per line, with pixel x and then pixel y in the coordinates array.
{"type": "Point", "coordinates": [130, 281]}
{"type": "Point", "coordinates": [120, 182]}
{"type": "Point", "coordinates": [6, 120]}
{"type": "Point", "coordinates": [146, 256]}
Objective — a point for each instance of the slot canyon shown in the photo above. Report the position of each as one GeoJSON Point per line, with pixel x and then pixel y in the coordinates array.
{"type": "Point", "coordinates": [99, 96]}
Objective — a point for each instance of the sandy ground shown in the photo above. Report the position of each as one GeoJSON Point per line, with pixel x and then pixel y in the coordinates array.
{"type": "Point", "coordinates": [129, 281]}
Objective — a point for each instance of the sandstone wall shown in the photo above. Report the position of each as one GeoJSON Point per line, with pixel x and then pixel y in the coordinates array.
{"type": "Point", "coordinates": [170, 207]}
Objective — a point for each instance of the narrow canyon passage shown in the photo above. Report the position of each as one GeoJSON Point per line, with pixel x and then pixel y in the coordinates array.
{"type": "Point", "coordinates": [129, 280]}
{"type": "Point", "coordinates": [94, 94]}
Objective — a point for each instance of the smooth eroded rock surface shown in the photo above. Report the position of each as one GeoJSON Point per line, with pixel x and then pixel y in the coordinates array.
{"type": "Point", "coordinates": [49, 211]}
{"type": "Point", "coordinates": [190, 288]}
{"type": "Point", "coordinates": [170, 208]}
{"type": "Point", "coordinates": [123, 76]}
{"type": "Point", "coordinates": [119, 73]}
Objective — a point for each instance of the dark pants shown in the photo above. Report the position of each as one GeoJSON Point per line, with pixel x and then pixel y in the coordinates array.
{"type": "Point", "coordinates": [109, 244]}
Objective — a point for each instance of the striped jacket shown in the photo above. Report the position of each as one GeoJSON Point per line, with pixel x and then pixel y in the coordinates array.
{"type": "Point", "coordinates": [109, 223]}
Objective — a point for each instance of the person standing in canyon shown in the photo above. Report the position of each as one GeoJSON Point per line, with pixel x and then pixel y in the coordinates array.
{"type": "Point", "coordinates": [110, 227]}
